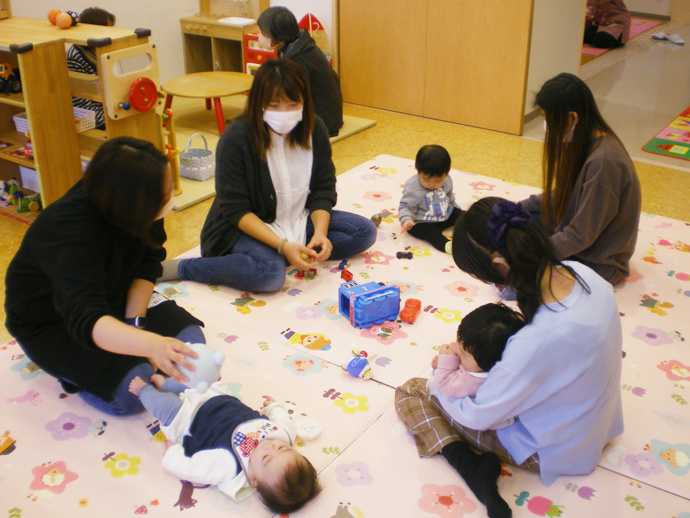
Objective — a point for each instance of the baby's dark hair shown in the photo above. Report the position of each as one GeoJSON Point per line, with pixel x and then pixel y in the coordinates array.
{"type": "Point", "coordinates": [432, 160]}
{"type": "Point", "coordinates": [299, 486]}
{"type": "Point", "coordinates": [97, 16]}
{"type": "Point", "coordinates": [485, 331]}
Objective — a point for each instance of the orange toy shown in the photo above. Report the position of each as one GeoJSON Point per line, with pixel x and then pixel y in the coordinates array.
{"type": "Point", "coordinates": [63, 20]}
{"type": "Point", "coordinates": [66, 20]}
{"type": "Point", "coordinates": [52, 15]}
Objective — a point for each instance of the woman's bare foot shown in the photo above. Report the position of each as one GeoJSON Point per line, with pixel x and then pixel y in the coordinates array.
{"type": "Point", "coordinates": [136, 385]}
{"type": "Point", "coordinates": [157, 380]}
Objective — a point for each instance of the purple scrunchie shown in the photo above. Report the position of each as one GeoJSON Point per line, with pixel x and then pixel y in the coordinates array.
{"type": "Point", "coordinates": [504, 215]}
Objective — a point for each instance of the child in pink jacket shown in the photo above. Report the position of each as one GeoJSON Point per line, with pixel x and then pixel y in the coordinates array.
{"type": "Point", "coordinates": [462, 366]}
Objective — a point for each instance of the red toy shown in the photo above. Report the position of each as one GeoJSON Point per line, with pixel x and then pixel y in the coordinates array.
{"type": "Point", "coordinates": [254, 54]}
{"type": "Point", "coordinates": [28, 146]}
{"type": "Point", "coordinates": [143, 94]}
{"type": "Point", "coordinates": [346, 274]}
{"type": "Point", "coordinates": [411, 310]}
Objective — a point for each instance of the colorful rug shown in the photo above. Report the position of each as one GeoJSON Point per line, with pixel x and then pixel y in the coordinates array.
{"type": "Point", "coordinates": [674, 139]}
{"type": "Point", "coordinates": [637, 27]}
{"type": "Point", "coordinates": [62, 458]}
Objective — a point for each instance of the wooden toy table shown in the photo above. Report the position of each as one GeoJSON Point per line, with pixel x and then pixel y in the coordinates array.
{"type": "Point", "coordinates": [208, 85]}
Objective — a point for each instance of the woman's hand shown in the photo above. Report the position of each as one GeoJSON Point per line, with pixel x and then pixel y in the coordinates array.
{"type": "Point", "coordinates": [319, 241]}
{"type": "Point", "coordinates": [167, 353]}
{"type": "Point", "coordinates": [293, 253]}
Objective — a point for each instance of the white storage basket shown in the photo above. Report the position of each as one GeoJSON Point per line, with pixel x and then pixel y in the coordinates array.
{"type": "Point", "coordinates": [84, 119]}
{"type": "Point", "coordinates": [197, 163]}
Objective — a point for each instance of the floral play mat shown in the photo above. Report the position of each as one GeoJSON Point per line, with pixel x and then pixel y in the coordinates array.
{"type": "Point", "coordinates": [61, 458]}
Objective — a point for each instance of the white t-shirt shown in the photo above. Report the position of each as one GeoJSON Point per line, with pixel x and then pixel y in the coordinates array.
{"type": "Point", "coordinates": [290, 169]}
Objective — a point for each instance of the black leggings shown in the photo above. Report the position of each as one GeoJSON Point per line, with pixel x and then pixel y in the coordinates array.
{"type": "Point", "coordinates": [601, 40]}
{"type": "Point", "coordinates": [433, 232]}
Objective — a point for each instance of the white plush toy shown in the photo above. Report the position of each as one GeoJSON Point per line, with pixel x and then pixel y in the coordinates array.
{"type": "Point", "coordinates": [207, 367]}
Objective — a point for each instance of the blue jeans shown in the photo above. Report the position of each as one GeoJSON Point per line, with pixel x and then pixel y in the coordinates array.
{"type": "Point", "coordinates": [255, 266]}
{"type": "Point", "coordinates": [126, 403]}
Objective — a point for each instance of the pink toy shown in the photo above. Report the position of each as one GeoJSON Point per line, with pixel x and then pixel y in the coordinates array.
{"type": "Point", "coordinates": [207, 367]}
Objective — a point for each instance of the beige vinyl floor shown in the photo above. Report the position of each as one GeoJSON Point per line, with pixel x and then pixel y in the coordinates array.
{"type": "Point", "coordinates": [638, 96]}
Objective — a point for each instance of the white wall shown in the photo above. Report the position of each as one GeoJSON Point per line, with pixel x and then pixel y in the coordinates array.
{"type": "Point", "coordinates": [162, 17]}
{"type": "Point", "coordinates": [557, 28]}
{"type": "Point", "coordinates": [658, 7]}
{"type": "Point", "coordinates": [322, 9]}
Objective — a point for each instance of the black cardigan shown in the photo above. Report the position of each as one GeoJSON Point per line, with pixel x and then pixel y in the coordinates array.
{"type": "Point", "coordinates": [244, 185]}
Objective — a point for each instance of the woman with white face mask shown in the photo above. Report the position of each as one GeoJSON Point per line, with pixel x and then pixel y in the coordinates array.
{"type": "Point", "coordinates": [79, 288]}
{"type": "Point", "coordinates": [275, 193]}
{"type": "Point", "coordinates": [591, 199]}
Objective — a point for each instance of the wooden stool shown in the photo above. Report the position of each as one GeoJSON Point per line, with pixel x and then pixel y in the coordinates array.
{"type": "Point", "coordinates": [208, 85]}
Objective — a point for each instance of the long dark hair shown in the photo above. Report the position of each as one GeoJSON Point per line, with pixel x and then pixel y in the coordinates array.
{"type": "Point", "coordinates": [527, 250]}
{"type": "Point", "coordinates": [278, 78]}
{"type": "Point", "coordinates": [125, 180]}
{"type": "Point", "coordinates": [563, 161]}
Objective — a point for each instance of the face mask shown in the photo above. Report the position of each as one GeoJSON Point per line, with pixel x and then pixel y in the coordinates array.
{"type": "Point", "coordinates": [282, 122]}
{"type": "Point", "coordinates": [265, 42]}
{"type": "Point", "coordinates": [569, 136]}
{"type": "Point", "coordinates": [165, 210]}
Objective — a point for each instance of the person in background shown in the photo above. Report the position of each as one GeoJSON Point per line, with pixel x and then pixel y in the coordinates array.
{"type": "Point", "coordinates": [591, 196]}
{"type": "Point", "coordinates": [279, 30]}
{"type": "Point", "coordinates": [79, 291]}
{"type": "Point", "coordinates": [275, 193]}
{"type": "Point", "coordinates": [82, 59]}
{"type": "Point", "coordinates": [607, 24]}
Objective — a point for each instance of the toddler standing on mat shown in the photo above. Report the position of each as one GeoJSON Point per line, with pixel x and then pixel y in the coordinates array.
{"type": "Point", "coordinates": [219, 440]}
{"type": "Point", "coordinates": [427, 206]}
{"type": "Point", "coordinates": [462, 366]}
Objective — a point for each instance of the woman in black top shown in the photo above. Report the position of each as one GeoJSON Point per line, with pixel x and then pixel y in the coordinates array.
{"type": "Point", "coordinates": [78, 289]}
{"type": "Point", "coordinates": [279, 30]}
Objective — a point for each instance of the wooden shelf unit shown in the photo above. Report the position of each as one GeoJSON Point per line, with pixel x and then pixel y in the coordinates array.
{"type": "Point", "coordinates": [37, 48]}
{"type": "Point", "coordinates": [210, 46]}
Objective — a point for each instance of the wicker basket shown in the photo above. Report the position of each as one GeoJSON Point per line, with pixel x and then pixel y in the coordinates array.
{"type": "Point", "coordinates": [197, 163]}
{"type": "Point", "coordinates": [84, 119]}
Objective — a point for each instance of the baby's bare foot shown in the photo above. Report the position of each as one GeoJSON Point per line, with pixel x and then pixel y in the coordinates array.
{"type": "Point", "coordinates": [136, 385]}
{"type": "Point", "coordinates": [157, 380]}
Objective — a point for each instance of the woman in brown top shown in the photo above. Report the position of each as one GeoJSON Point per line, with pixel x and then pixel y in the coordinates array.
{"type": "Point", "coordinates": [591, 198]}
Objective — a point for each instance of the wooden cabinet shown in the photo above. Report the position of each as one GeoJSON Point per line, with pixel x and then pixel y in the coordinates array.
{"type": "Point", "coordinates": [210, 46]}
{"type": "Point", "coordinates": [37, 49]}
{"type": "Point", "coordinates": [456, 60]}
